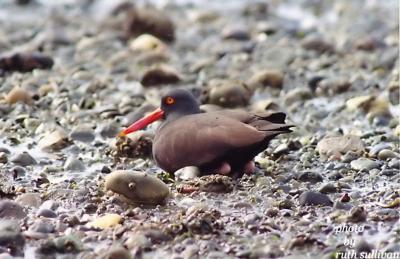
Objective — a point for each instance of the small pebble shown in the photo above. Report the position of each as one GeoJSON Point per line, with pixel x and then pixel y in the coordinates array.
{"type": "Point", "coordinates": [147, 42]}
{"type": "Point", "coordinates": [345, 198]}
{"type": "Point", "coordinates": [29, 199]}
{"type": "Point", "coordinates": [3, 158]}
{"type": "Point", "coordinates": [309, 176]}
{"type": "Point", "coordinates": [187, 173]}
{"type": "Point", "coordinates": [235, 33]}
{"type": "Point", "coordinates": [106, 221]}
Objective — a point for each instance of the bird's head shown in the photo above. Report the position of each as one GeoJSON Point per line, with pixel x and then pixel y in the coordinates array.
{"type": "Point", "coordinates": [174, 104]}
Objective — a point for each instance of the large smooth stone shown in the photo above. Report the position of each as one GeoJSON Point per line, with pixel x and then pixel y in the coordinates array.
{"type": "Point", "coordinates": [228, 93]}
{"type": "Point", "coordinates": [364, 164]}
{"type": "Point", "coordinates": [11, 209]}
{"type": "Point", "coordinates": [55, 140]}
{"type": "Point", "coordinates": [23, 159]}
{"type": "Point", "coordinates": [338, 145]}
{"type": "Point", "coordinates": [266, 78]}
{"type": "Point", "coordinates": [18, 94]}
{"type": "Point", "coordinates": [137, 186]}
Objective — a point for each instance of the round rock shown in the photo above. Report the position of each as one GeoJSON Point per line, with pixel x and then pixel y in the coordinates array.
{"type": "Point", "coordinates": [11, 209]}
{"type": "Point", "coordinates": [266, 78]}
{"type": "Point", "coordinates": [55, 140]}
{"type": "Point", "coordinates": [138, 187]}
{"type": "Point", "coordinates": [160, 74]}
{"type": "Point", "coordinates": [82, 134]}
{"type": "Point", "coordinates": [147, 42]}
{"type": "Point", "coordinates": [23, 159]}
{"type": "Point", "coordinates": [386, 154]}
{"type": "Point", "coordinates": [46, 213]}
{"type": "Point", "coordinates": [29, 199]}
{"type": "Point", "coordinates": [149, 20]}
{"type": "Point", "coordinates": [337, 145]}
{"type": "Point", "coordinates": [227, 93]}
{"type": "Point", "coordinates": [73, 164]}
{"type": "Point", "coordinates": [42, 227]}
{"type": "Point", "coordinates": [364, 164]}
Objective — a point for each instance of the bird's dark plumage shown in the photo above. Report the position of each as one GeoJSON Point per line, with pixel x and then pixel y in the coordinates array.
{"type": "Point", "coordinates": [207, 140]}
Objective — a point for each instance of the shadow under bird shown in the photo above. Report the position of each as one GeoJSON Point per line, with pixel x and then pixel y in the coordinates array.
{"type": "Point", "coordinates": [223, 142]}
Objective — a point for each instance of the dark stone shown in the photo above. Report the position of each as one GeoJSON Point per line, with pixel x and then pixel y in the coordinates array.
{"type": "Point", "coordinates": [159, 75]}
{"type": "Point", "coordinates": [109, 130]}
{"type": "Point", "coordinates": [342, 206]}
{"type": "Point", "coordinates": [25, 62]}
{"type": "Point", "coordinates": [151, 21]}
{"type": "Point", "coordinates": [335, 175]}
{"type": "Point", "coordinates": [363, 246]}
{"type": "Point", "coordinates": [314, 198]}
{"type": "Point", "coordinates": [328, 188]}
{"type": "Point", "coordinates": [17, 171]}
{"type": "Point", "coordinates": [82, 135]}
{"type": "Point", "coordinates": [313, 82]}
{"type": "Point", "coordinates": [312, 177]}
{"type": "Point", "coordinates": [105, 170]}
{"type": "Point", "coordinates": [47, 213]}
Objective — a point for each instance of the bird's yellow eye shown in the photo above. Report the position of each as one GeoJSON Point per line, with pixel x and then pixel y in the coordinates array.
{"type": "Point", "coordinates": [169, 100]}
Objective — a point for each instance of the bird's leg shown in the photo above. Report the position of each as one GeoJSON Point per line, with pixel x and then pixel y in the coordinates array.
{"type": "Point", "coordinates": [224, 169]}
{"type": "Point", "coordinates": [249, 167]}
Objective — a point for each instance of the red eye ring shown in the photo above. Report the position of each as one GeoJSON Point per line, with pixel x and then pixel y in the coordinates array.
{"type": "Point", "coordinates": [169, 100]}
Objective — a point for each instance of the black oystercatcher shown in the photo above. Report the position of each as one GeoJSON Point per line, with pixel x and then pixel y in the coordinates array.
{"type": "Point", "coordinates": [222, 142]}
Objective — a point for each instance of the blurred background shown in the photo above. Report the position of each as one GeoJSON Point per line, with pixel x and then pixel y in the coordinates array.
{"type": "Point", "coordinates": [74, 73]}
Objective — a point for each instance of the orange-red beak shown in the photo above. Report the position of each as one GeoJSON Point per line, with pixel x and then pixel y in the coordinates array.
{"type": "Point", "coordinates": [143, 122]}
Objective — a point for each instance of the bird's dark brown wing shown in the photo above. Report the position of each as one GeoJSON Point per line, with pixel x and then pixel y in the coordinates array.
{"type": "Point", "coordinates": [266, 121]}
{"type": "Point", "coordinates": [206, 137]}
